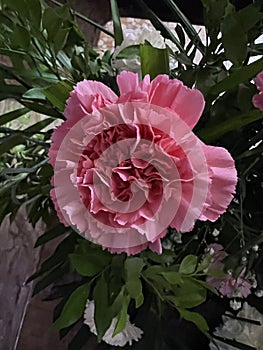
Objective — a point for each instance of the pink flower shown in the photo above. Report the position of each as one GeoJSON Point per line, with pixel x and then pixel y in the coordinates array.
{"type": "Point", "coordinates": [126, 167]}
{"type": "Point", "coordinates": [258, 98]}
{"type": "Point", "coordinates": [226, 285]}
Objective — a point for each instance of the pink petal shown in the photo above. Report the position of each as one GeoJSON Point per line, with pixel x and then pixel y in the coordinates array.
{"type": "Point", "coordinates": [258, 101]}
{"type": "Point", "coordinates": [185, 102]}
{"type": "Point", "coordinates": [87, 96]}
{"type": "Point", "coordinates": [224, 179]}
{"type": "Point", "coordinates": [259, 81]}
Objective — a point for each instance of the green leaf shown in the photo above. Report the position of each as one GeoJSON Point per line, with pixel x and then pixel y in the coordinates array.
{"type": "Point", "coordinates": [203, 265]}
{"type": "Point", "coordinates": [232, 31]}
{"type": "Point", "coordinates": [51, 22]}
{"type": "Point", "coordinates": [74, 307]}
{"type": "Point", "coordinates": [8, 117]}
{"type": "Point", "coordinates": [158, 24]}
{"type": "Point", "coordinates": [11, 141]}
{"type": "Point", "coordinates": [50, 278]}
{"type": "Point", "coordinates": [154, 61]}
{"type": "Point", "coordinates": [188, 27]}
{"type": "Point", "coordinates": [122, 317]}
{"type": "Point", "coordinates": [20, 38]}
{"type": "Point", "coordinates": [188, 265]}
{"type": "Point", "coordinates": [213, 132]}
{"type": "Point", "coordinates": [89, 264]}
{"type": "Point", "coordinates": [189, 294]}
{"type": "Point", "coordinates": [216, 273]}
{"type": "Point", "coordinates": [58, 230]}
{"type": "Point", "coordinates": [194, 317]}
{"type": "Point", "coordinates": [34, 94]}
{"type": "Point", "coordinates": [129, 52]}
{"type": "Point", "coordinates": [133, 268]}
{"type": "Point", "coordinates": [118, 34]}
{"type": "Point", "coordinates": [173, 277]}
{"type": "Point", "coordinates": [102, 315]}
{"type": "Point", "coordinates": [240, 75]}
{"type": "Point", "coordinates": [58, 93]}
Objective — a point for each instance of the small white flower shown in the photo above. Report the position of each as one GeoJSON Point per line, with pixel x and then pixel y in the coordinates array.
{"type": "Point", "coordinates": [129, 334]}
{"type": "Point", "coordinates": [235, 305]}
{"type": "Point", "coordinates": [244, 332]}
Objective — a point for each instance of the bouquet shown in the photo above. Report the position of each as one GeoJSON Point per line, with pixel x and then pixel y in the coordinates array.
{"type": "Point", "coordinates": [147, 164]}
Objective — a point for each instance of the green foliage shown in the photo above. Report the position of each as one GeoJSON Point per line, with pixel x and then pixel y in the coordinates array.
{"type": "Point", "coordinates": [74, 307]}
{"type": "Point", "coordinates": [48, 55]}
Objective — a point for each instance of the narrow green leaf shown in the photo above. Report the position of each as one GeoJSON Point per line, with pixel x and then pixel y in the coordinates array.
{"type": "Point", "coordinates": [122, 317]}
{"type": "Point", "coordinates": [188, 265]}
{"type": "Point", "coordinates": [188, 27]}
{"type": "Point", "coordinates": [8, 117]}
{"type": "Point", "coordinates": [102, 314]}
{"type": "Point", "coordinates": [240, 75]}
{"type": "Point", "coordinates": [11, 141]}
{"type": "Point", "coordinates": [50, 278]}
{"type": "Point", "coordinates": [158, 24]}
{"type": "Point", "coordinates": [59, 230]}
{"type": "Point", "coordinates": [133, 269]}
{"type": "Point", "coordinates": [118, 34]}
{"type": "Point", "coordinates": [214, 132]}
{"type": "Point", "coordinates": [74, 307]}
{"type": "Point", "coordinates": [39, 126]}
{"type": "Point", "coordinates": [154, 61]}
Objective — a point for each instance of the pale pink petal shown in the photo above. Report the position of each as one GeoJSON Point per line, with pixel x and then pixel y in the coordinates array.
{"type": "Point", "coordinates": [87, 96]}
{"type": "Point", "coordinates": [185, 102]}
{"type": "Point", "coordinates": [223, 176]}
{"type": "Point", "coordinates": [131, 90]}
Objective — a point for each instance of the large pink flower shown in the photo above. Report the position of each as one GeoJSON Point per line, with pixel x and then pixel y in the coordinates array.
{"type": "Point", "coordinates": [258, 98]}
{"type": "Point", "coordinates": [126, 167]}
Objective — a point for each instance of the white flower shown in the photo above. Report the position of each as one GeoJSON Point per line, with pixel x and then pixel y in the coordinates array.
{"type": "Point", "coordinates": [240, 330]}
{"type": "Point", "coordinates": [137, 37]}
{"type": "Point", "coordinates": [127, 335]}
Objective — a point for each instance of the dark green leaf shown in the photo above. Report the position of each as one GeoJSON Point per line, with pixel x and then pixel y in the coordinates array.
{"type": "Point", "coordinates": [59, 230]}
{"type": "Point", "coordinates": [196, 318]}
{"type": "Point", "coordinates": [74, 307]}
{"type": "Point", "coordinates": [58, 93]}
{"type": "Point", "coordinates": [188, 265]}
{"type": "Point", "coordinates": [89, 264]}
{"type": "Point", "coordinates": [173, 277]}
{"type": "Point", "coordinates": [8, 117]}
{"type": "Point", "coordinates": [103, 316]}
{"type": "Point", "coordinates": [50, 278]}
{"type": "Point", "coordinates": [240, 75]}
{"type": "Point", "coordinates": [215, 131]}
{"type": "Point", "coordinates": [9, 142]}
{"type": "Point", "coordinates": [232, 31]}
{"type": "Point", "coordinates": [118, 34]}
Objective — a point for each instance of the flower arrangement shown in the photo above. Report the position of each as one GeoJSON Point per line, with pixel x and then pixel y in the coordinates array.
{"type": "Point", "coordinates": [153, 178]}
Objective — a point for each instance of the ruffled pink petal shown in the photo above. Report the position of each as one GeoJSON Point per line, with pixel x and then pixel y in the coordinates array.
{"type": "Point", "coordinates": [187, 103]}
{"type": "Point", "coordinates": [87, 96]}
{"type": "Point", "coordinates": [223, 177]}
{"type": "Point", "coordinates": [131, 90]}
